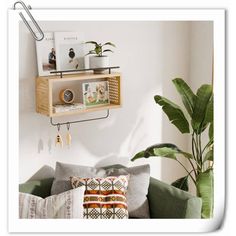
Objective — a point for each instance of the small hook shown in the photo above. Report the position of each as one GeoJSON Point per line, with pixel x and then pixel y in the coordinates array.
{"type": "Point", "coordinates": [68, 125]}
{"type": "Point", "coordinates": [58, 127]}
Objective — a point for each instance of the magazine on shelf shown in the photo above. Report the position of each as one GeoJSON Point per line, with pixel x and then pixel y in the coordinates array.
{"type": "Point", "coordinates": [46, 54]}
{"type": "Point", "coordinates": [70, 50]}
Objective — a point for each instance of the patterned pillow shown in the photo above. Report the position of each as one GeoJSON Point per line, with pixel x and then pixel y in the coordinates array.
{"type": "Point", "coordinates": [66, 205]}
{"type": "Point", "coordinates": [104, 198]}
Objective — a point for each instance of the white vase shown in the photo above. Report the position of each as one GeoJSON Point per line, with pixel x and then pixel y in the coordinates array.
{"type": "Point", "coordinates": [98, 62]}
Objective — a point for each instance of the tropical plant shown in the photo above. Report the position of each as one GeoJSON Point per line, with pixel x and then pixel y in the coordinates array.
{"type": "Point", "coordinates": [197, 118]}
{"type": "Point", "coordinates": [99, 48]}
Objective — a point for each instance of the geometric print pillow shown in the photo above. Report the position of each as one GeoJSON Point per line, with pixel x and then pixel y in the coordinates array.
{"type": "Point", "coordinates": [104, 198]}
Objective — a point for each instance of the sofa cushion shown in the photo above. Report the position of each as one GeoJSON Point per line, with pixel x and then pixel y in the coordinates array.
{"type": "Point", "coordinates": [63, 172]}
{"type": "Point", "coordinates": [41, 188]}
{"type": "Point", "coordinates": [65, 205]}
{"type": "Point", "coordinates": [138, 206]}
{"type": "Point", "coordinates": [45, 172]}
{"type": "Point", "coordinates": [167, 201]}
{"type": "Point", "coordinates": [104, 198]}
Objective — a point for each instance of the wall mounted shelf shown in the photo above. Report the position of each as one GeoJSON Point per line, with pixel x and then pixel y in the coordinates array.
{"type": "Point", "coordinates": [48, 87]}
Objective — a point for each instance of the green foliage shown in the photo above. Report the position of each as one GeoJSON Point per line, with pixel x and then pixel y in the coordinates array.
{"type": "Point", "coordinates": [181, 183]}
{"type": "Point", "coordinates": [205, 188]}
{"type": "Point", "coordinates": [199, 108]}
{"type": "Point", "coordinates": [98, 48]}
{"type": "Point", "coordinates": [174, 113]}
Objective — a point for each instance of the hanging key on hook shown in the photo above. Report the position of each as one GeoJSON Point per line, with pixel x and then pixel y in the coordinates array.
{"type": "Point", "coordinates": [68, 136]}
{"type": "Point", "coordinates": [59, 140]}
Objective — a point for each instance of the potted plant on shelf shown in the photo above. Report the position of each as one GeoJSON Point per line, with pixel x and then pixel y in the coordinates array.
{"type": "Point", "coordinates": [99, 60]}
{"type": "Point", "coordinates": [197, 119]}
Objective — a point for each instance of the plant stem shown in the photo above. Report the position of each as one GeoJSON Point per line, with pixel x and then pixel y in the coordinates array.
{"type": "Point", "coordinates": [187, 171]}
{"type": "Point", "coordinates": [193, 151]}
{"type": "Point", "coordinates": [200, 149]}
{"type": "Point", "coordinates": [195, 173]}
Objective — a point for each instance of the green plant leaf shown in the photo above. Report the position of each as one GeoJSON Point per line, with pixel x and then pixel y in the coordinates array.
{"type": "Point", "coordinates": [109, 43]}
{"type": "Point", "coordinates": [167, 150]}
{"type": "Point", "coordinates": [205, 190]}
{"type": "Point", "coordinates": [211, 131]}
{"type": "Point", "coordinates": [107, 50]}
{"type": "Point", "coordinates": [174, 113]}
{"type": "Point", "coordinates": [208, 156]}
{"type": "Point", "coordinates": [181, 183]}
{"type": "Point", "coordinates": [92, 42]}
{"type": "Point", "coordinates": [90, 52]}
{"type": "Point", "coordinates": [187, 95]}
{"type": "Point", "coordinates": [209, 112]}
{"type": "Point", "coordinates": [203, 97]}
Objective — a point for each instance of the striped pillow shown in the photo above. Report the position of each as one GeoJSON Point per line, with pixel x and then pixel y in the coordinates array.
{"type": "Point", "coordinates": [104, 198]}
{"type": "Point", "coordinates": [66, 205]}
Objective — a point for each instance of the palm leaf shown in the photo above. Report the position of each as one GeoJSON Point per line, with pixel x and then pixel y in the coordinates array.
{"type": "Point", "coordinates": [174, 113]}
{"type": "Point", "coordinates": [205, 190]}
{"type": "Point", "coordinates": [181, 183]}
{"type": "Point", "coordinates": [204, 95]}
{"type": "Point", "coordinates": [187, 95]}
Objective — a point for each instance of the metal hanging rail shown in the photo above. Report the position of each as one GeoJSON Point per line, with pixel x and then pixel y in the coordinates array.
{"type": "Point", "coordinates": [78, 121]}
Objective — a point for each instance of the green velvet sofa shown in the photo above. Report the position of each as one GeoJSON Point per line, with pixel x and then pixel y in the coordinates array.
{"type": "Point", "coordinates": [165, 201]}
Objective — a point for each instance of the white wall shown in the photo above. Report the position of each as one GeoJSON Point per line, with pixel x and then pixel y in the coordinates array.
{"type": "Point", "coordinates": [150, 55]}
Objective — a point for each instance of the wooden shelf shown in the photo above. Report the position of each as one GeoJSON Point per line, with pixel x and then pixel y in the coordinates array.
{"type": "Point", "coordinates": [46, 93]}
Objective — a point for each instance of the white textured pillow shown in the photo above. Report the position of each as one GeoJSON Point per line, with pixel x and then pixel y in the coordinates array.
{"type": "Point", "coordinates": [66, 205]}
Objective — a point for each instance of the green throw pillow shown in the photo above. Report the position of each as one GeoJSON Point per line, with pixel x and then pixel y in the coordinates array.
{"type": "Point", "coordinates": [41, 188]}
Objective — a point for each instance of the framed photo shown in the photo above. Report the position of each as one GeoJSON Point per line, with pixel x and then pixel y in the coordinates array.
{"type": "Point", "coordinates": [96, 93]}
{"type": "Point", "coordinates": [46, 54]}
{"type": "Point", "coordinates": [70, 50]}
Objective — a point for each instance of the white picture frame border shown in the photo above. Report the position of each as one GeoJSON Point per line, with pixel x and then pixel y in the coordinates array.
{"type": "Point", "coordinates": [132, 225]}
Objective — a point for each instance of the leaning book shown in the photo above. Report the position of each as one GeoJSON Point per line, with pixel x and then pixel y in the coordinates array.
{"type": "Point", "coordinates": [46, 54]}
{"type": "Point", "coordinates": [70, 50]}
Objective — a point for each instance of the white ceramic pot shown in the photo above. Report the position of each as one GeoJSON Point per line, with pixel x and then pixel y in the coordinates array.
{"type": "Point", "coordinates": [98, 62]}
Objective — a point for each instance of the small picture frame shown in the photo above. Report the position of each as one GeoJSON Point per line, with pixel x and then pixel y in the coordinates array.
{"type": "Point", "coordinates": [96, 93]}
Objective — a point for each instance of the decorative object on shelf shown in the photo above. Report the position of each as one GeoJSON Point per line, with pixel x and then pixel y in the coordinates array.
{"type": "Point", "coordinates": [199, 107]}
{"type": "Point", "coordinates": [70, 50]}
{"type": "Point", "coordinates": [68, 136]}
{"type": "Point", "coordinates": [46, 54]}
{"type": "Point", "coordinates": [99, 60]}
{"type": "Point", "coordinates": [59, 140]}
{"type": "Point", "coordinates": [67, 96]}
{"type": "Point", "coordinates": [57, 108]}
{"type": "Point", "coordinates": [96, 93]}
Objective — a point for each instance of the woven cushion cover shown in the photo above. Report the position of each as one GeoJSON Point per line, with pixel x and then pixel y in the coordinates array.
{"type": "Point", "coordinates": [104, 198]}
{"type": "Point", "coordinates": [66, 205]}
{"type": "Point", "coordinates": [138, 205]}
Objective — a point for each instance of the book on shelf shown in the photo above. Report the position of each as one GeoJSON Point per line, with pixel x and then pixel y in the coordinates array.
{"type": "Point", "coordinates": [67, 107]}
